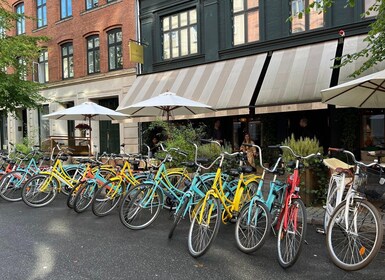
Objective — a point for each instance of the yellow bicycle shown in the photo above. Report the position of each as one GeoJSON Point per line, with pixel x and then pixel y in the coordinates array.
{"type": "Point", "coordinates": [220, 202]}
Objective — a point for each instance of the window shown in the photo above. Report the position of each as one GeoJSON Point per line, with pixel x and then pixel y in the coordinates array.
{"type": "Point", "coordinates": [44, 133]}
{"type": "Point", "coordinates": [93, 55]}
{"type": "Point", "coordinates": [41, 68]}
{"type": "Point", "coordinates": [367, 5]}
{"type": "Point", "coordinates": [41, 10]}
{"type": "Point", "coordinates": [115, 58]}
{"type": "Point", "coordinates": [245, 21]}
{"type": "Point", "coordinates": [90, 4]}
{"type": "Point", "coordinates": [373, 129]}
{"type": "Point", "coordinates": [2, 32]}
{"type": "Point", "coordinates": [302, 21]}
{"type": "Point", "coordinates": [179, 32]}
{"type": "Point", "coordinates": [66, 8]}
{"type": "Point", "coordinates": [20, 25]}
{"type": "Point", "coordinates": [108, 1]}
{"type": "Point", "coordinates": [67, 60]}
{"type": "Point", "coordinates": [22, 68]}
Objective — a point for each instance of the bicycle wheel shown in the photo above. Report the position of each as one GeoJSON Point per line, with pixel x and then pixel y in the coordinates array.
{"type": "Point", "coordinates": [204, 226]}
{"type": "Point", "coordinates": [84, 196]}
{"type": "Point", "coordinates": [277, 206]}
{"type": "Point", "coordinates": [353, 243]}
{"type": "Point", "coordinates": [11, 185]}
{"type": "Point", "coordinates": [252, 227]}
{"type": "Point", "coordinates": [178, 215]}
{"type": "Point", "coordinates": [72, 195]}
{"type": "Point", "coordinates": [143, 207]}
{"type": "Point", "coordinates": [106, 198]}
{"type": "Point", "coordinates": [39, 190]}
{"type": "Point", "coordinates": [291, 238]}
{"type": "Point", "coordinates": [178, 181]}
{"type": "Point", "coordinates": [76, 173]}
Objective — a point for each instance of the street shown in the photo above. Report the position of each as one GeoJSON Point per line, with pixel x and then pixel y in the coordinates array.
{"type": "Point", "coordinates": [54, 242]}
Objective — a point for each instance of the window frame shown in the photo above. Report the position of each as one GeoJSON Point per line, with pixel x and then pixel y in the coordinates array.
{"type": "Point", "coordinates": [43, 8]}
{"type": "Point", "coordinates": [65, 9]}
{"type": "Point", "coordinates": [43, 67]}
{"type": "Point", "coordinates": [306, 17]}
{"type": "Point", "coordinates": [20, 24]}
{"type": "Point", "coordinates": [67, 57]}
{"type": "Point", "coordinates": [115, 45]}
{"type": "Point", "coordinates": [246, 11]}
{"type": "Point", "coordinates": [94, 50]}
{"type": "Point", "coordinates": [91, 4]}
{"type": "Point", "coordinates": [178, 30]}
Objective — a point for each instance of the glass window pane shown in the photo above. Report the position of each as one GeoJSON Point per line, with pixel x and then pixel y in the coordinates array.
{"type": "Point", "coordinates": [46, 72]}
{"type": "Point", "coordinates": [367, 5]}
{"type": "Point", "coordinates": [239, 30]}
{"type": "Point", "coordinates": [175, 44]}
{"type": "Point", "coordinates": [183, 19]}
{"type": "Point", "coordinates": [184, 42]}
{"type": "Point", "coordinates": [90, 44]}
{"type": "Point", "coordinates": [193, 16]}
{"type": "Point", "coordinates": [166, 23]}
{"type": "Point", "coordinates": [193, 40]}
{"type": "Point", "coordinates": [70, 49]}
{"type": "Point", "coordinates": [252, 3]}
{"type": "Point", "coordinates": [253, 26]}
{"type": "Point", "coordinates": [97, 61]}
{"type": "Point", "coordinates": [238, 5]}
{"type": "Point", "coordinates": [166, 46]}
{"type": "Point", "coordinates": [174, 21]}
{"type": "Point", "coordinates": [90, 62]}
{"type": "Point", "coordinates": [119, 36]}
{"type": "Point", "coordinates": [111, 38]}
{"type": "Point", "coordinates": [64, 51]}
{"type": "Point", "coordinates": [112, 57]}
{"type": "Point", "coordinates": [96, 42]}
{"type": "Point", "coordinates": [65, 68]}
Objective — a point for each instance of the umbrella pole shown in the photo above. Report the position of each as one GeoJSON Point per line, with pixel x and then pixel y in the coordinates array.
{"type": "Point", "coordinates": [90, 148]}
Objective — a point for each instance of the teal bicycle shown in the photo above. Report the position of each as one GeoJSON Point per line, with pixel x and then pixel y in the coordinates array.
{"type": "Point", "coordinates": [253, 225]}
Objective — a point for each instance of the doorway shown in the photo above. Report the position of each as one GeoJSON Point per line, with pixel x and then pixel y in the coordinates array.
{"type": "Point", "coordinates": [109, 134]}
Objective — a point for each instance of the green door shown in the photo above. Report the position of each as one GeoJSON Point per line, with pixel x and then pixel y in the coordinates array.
{"type": "Point", "coordinates": [109, 135]}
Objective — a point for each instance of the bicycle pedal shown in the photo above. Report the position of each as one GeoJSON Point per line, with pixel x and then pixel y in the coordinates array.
{"type": "Point", "coordinates": [320, 230]}
{"type": "Point", "coordinates": [233, 220]}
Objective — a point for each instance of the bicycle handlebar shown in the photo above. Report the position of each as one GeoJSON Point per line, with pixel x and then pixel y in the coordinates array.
{"type": "Point", "coordinates": [341, 150]}
{"type": "Point", "coordinates": [260, 157]}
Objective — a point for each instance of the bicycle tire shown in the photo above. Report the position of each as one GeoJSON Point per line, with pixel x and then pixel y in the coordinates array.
{"type": "Point", "coordinates": [11, 185]}
{"type": "Point", "coordinates": [178, 181]}
{"type": "Point", "coordinates": [106, 198]}
{"type": "Point", "coordinates": [277, 206]}
{"type": "Point", "coordinates": [84, 196]}
{"type": "Point", "coordinates": [34, 196]}
{"type": "Point", "coordinates": [76, 173]}
{"type": "Point", "coordinates": [135, 214]}
{"type": "Point", "coordinates": [197, 244]}
{"type": "Point", "coordinates": [178, 216]}
{"type": "Point", "coordinates": [251, 235]}
{"type": "Point", "coordinates": [71, 196]}
{"type": "Point", "coordinates": [354, 250]}
{"type": "Point", "coordinates": [290, 240]}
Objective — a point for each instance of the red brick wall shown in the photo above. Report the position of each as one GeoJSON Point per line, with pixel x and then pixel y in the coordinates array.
{"type": "Point", "coordinates": [82, 24]}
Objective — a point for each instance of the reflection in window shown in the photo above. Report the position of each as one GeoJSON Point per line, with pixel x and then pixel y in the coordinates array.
{"type": "Point", "coordinates": [67, 61]}
{"type": "Point", "coordinates": [179, 33]}
{"type": "Point", "coordinates": [115, 58]}
{"type": "Point", "coordinates": [93, 55]}
{"type": "Point", "coordinates": [44, 133]}
{"type": "Point", "coordinates": [373, 128]}
{"type": "Point", "coordinates": [90, 4]}
{"type": "Point", "coordinates": [367, 5]}
{"type": "Point", "coordinates": [20, 25]}
{"type": "Point", "coordinates": [41, 11]}
{"type": "Point", "coordinates": [41, 70]}
{"type": "Point", "coordinates": [245, 21]}
{"type": "Point", "coordinates": [302, 21]}
{"type": "Point", "coordinates": [65, 8]}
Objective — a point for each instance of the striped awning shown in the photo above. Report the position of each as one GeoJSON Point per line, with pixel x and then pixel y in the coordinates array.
{"type": "Point", "coordinates": [297, 75]}
{"type": "Point", "coordinates": [225, 85]}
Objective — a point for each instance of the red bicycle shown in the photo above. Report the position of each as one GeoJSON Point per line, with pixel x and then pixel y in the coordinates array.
{"type": "Point", "coordinates": [292, 219]}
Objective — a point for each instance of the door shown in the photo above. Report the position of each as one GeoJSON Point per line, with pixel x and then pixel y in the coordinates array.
{"type": "Point", "coordinates": [109, 134]}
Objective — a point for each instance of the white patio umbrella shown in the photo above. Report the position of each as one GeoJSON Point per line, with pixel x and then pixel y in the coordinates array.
{"type": "Point", "coordinates": [364, 92]}
{"type": "Point", "coordinates": [87, 111]}
{"type": "Point", "coordinates": [166, 103]}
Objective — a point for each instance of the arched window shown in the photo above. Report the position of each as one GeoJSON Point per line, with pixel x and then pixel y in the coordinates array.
{"type": "Point", "coordinates": [93, 54]}
{"type": "Point", "coordinates": [115, 57]}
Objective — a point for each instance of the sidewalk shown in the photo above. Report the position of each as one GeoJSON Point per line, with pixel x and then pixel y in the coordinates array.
{"type": "Point", "coordinates": [315, 215]}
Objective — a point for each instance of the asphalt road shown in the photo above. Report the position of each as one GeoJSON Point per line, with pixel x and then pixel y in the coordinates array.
{"type": "Point", "coordinates": [54, 242]}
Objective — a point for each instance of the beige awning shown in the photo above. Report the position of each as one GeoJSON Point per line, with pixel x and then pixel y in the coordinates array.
{"type": "Point", "coordinates": [297, 75]}
{"type": "Point", "coordinates": [225, 85]}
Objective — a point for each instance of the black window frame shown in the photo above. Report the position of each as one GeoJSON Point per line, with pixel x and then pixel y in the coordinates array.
{"type": "Point", "coordinates": [115, 45]}
{"type": "Point", "coordinates": [65, 9]}
{"type": "Point", "coordinates": [306, 16]}
{"type": "Point", "coordinates": [43, 64]}
{"type": "Point", "coordinates": [245, 12]}
{"type": "Point", "coordinates": [42, 7]}
{"type": "Point", "coordinates": [67, 57]}
{"type": "Point", "coordinates": [95, 51]}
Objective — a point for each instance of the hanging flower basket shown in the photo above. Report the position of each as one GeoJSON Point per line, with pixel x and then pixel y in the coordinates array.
{"type": "Point", "coordinates": [83, 126]}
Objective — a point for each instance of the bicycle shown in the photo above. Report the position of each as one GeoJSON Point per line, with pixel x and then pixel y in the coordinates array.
{"type": "Point", "coordinates": [253, 227]}
{"type": "Point", "coordinates": [42, 188]}
{"type": "Point", "coordinates": [207, 214]}
{"type": "Point", "coordinates": [141, 206]}
{"type": "Point", "coordinates": [292, 223]}
{"type": "Point", "coordinates": [339, 182]}
{"type": "Point", "coordinates": [355, 232]}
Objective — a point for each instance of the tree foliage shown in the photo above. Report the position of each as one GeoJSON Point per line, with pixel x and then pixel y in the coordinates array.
{"type": "Point", "coordinates": [375, 51]}
{"type": "Point", "coordinates": [17, 54]}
